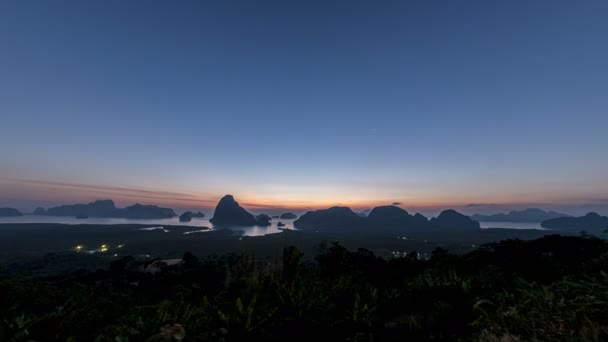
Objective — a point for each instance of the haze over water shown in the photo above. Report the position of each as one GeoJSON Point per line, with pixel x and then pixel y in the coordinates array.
{"type": "Point", "coordinates": [195, 222]}
{"type": "Point", "coordinates": [204, 222]}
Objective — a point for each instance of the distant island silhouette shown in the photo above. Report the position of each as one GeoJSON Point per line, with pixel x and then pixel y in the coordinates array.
{"type": "Point", "coordinates": [263, 220]}
{"type": "Point", "coordinates": [228, 212]}
{"type": "Point", "coordinates": [451, 219]}
{"type": "Point", "coordinates": [185, 217]}
{"type": "Point", "coordinates": [392, 216]}
{"type": "Point", "coordinates": [288, 216]}
{"type": "Point", "coordinates": [592, 222]}
{"type": "Point", "coordinates": [106, 208]}
{"type": "Point", "coordinates": [334, 218]}
{"type": "Point", "coordinates": [526, 215]}
{"type": "Point", "coordinates": [39, 211]}
{"type": "Point", "coordinates": [381, 218]}
{"type": "Point", "coordinates": [10, 212]}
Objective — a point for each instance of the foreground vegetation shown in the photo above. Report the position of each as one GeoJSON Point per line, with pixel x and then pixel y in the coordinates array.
{"type": "Point", "coordinates": [553, 288]}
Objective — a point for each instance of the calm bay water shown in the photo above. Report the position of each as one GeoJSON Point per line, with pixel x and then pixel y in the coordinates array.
{"type": "Point", "coordinates": [196, 222]}
{"type": "Point", "coordinates": [204, 222]}
{"type": "Point", "coordinates": [512, 225]}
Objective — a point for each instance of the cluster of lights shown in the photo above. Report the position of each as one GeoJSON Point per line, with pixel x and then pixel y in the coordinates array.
{"type": "Point", "coordinates": [102, 248]}
{"type": "Point", "coordinates": [398, 254]}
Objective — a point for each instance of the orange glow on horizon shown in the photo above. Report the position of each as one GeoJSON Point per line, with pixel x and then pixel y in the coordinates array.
{"type": "Point", "coordinates": [59, 193]}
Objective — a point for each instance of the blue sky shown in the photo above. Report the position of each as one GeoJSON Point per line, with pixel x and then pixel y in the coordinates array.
{"type": "Point", "coordinates": [305, 103]}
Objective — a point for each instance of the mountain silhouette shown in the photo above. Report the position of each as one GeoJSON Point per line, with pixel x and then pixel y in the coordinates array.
{"type": "Point", "coordinates": [9, 212]}
{"type": "Point", "coordinates": [526, 215]}
{"type": "Point", "coordinates": [263, 220]}
{"type": "Point", "coordinates": [99, 208]}
{"type": "Point", "coordinates": [140, 211]}
{"type": "Point", "coordinates": [39, 211]}
{"type": "Point", "coordinates": [387, 218]}
{"type": "Point", "coordinates": [106, 208]}
{"type": "Point", "coordinates": [185, 217]}
{"type": "Point", "coordinates": [419, 220]}
{"type": "Point", "coordinates": [334, 218]}
{"type": "Point", "coordinates": [451, 219]}
{"type": "Point", "coordinates": [392, 216]}
{"type": "Point", "coordinates": [592, 222]}
{"type": "Point", "coordinates": [288, 216]}
{"type": "Point", "coordinates": [228, 212]}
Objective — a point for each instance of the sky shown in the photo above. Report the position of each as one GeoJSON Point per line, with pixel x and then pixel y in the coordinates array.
{"type": "Point", "coordinates": [478, 105]}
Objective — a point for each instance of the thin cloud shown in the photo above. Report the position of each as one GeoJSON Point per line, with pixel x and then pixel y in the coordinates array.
{"type": "Point", "coordinates": [167, 197]}
{"type": "Point", "coordinates": [477, 205]}
{"type": "Point", "coordinates": [116, 191]}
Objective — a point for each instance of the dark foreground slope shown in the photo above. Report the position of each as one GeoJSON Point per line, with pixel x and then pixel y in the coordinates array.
{"type": "Point", "coordinates": [550, 289]}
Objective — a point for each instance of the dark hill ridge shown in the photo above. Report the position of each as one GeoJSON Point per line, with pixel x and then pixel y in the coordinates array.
{"type": "Point", "coordinates": [419, 219]}
{"type": "Point", "coordinates": [99, 208]}
{"type": "Point", "coordinates": [185, 217]}
{"type": "Point", "coordinates": [288, 216]}
{"type": "Point", "coordinates": [390, 216]}
{"type": "Point", "coordinates": [9, 212]}
{"type": "Point", "coordinates": [106, 208]}
{"type": "Point", "coordinates": [148, 212]}
{"type": "Point", "coordinates": [228, 212]}
{"type": "Point", "coordinates": [592, 222]}
{"type": "Point", "coordinates": [381, 218]}
{"type": "Point", "coordinates": [527, 215]}
{"type": "Point", "coordinates": [263, 220]}
{"type": "Point", "coordinates": [39, 211]}
{"type": "Point", "coordinates": [451, 219]}
{"type": "Point", "coordinates": [334, 218]}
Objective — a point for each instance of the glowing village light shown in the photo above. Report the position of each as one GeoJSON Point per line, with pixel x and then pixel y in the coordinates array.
{"type": "Point", "coordinates": [104, 248]}
{"type": "Point", "coordinates": [79, 248]}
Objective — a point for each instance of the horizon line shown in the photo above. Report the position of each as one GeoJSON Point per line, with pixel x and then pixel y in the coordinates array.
{"type": "Point", "coordinates": [81, 192]}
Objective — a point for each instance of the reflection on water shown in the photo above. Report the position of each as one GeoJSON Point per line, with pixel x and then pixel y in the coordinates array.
{"type": "Point", "coordinates": [512, 225]}
{"type": "Point", "coordinates": [196, 231]}
{"type": "Point", "coordinates": [155, 228]}
{"type": "Point", "coordinates": [196, 222]}
{"type": "Point", "coordinates": [204, 222]}
{"type": "Point", "coordinates": [259, 231]}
